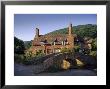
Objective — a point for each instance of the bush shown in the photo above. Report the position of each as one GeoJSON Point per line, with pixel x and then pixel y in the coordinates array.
{"type": "Point", "coordinates": [93, 53]}
{"type": "Point", "coordinates": [63, 50]}
{"type": "Point", "coordinates": [18, 46]}
{"type": "Point", "coordinates": [40, 55]}
{"type": "Point", "coordinates": [19, 58]}
{"type": "Point", "coordinates": [77, 48]}
{"type": "Point", "coordinates": [33, 59]}
{"type": "Point", "coordinates": [94, 45]}
{"type": "Point", "coordinates": [29, 58]}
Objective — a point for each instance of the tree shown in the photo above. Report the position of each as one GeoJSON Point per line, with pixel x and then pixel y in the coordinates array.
{"type": "Point", "coordinates": [94, 45]}
{"type": "Point", "coordinates": [77, 48]}
{"type": "Point", "coordinates": [18, 46]}
{"type": "Point", "coordinates": [27, 44]}
{"type": "Point", "coordinates": [94, 48]}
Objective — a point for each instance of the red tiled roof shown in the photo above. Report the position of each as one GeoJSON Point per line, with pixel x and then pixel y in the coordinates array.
{"type": "Point", "coordinates": [50, 39]}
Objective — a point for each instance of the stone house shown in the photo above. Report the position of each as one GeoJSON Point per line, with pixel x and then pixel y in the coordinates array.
{"type": "Point", "coordinates": [49, 43]}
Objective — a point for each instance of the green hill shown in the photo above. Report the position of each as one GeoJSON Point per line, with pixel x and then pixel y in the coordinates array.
{"type": "Point", "coordinates": [88, 30]}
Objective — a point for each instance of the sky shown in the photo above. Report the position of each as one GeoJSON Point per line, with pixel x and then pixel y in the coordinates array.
{"type": "Point", "coordinates": [25, 24]}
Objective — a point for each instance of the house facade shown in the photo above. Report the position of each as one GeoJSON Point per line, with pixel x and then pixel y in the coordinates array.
{"type": "Point", "coordinates": [52, 43]}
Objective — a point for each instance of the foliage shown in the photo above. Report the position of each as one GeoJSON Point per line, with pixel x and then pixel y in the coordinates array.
{"type": "Point", "coordinates": [31, 56]}
{"type": "Point", "coordinates": [94, 48]}
{"type": "Point", "coordinates": [18, 46]}
{"type": "Point", "coordinates": [19, 58]}
{"type": "Point", "coordinates": [65, 50]}
{"type": "Point", "coordinates": [77, 48]}
{"type": "Point", "coordinates": [22, 58]}
{"type": "Point", "coordinates": [94, 45]}
{"type": "Point", "coordinates": [27, 44]}
{"type": "Point", "coordinates": [88, 30]}
{"type": "Point", "coordinates": [93, 53]}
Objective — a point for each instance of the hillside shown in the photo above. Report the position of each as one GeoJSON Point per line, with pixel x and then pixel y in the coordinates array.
{"type": "Point", "coordinates": [89, 30]}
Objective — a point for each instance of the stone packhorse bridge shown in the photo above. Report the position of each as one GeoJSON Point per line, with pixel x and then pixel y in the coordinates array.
{"type": "Point", "coordinates": [61, 61]}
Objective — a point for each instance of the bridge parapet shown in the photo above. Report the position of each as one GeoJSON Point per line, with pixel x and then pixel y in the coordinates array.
{"type": "Point", "coordinates": [54, 61]}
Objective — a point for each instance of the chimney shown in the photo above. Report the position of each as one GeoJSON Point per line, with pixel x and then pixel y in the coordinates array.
{"type": "Point", "coordinates": [37, 32]}
{"type": "Point", "coordinates": [70, 29]}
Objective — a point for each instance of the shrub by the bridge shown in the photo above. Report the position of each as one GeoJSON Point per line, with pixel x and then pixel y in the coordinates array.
{"type": "Point", "coordinates": [30, 56]}
{"type": "Point", "coordinates": [63, 50]}
{"type": "Point", "coordinates": [77, 48]}
{"type": "Point", "coordinates": [93, 53]}
{"type": "Point", "coordinates": [19, 58]}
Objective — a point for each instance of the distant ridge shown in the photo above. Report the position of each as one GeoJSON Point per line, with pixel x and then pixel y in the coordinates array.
{"type": "Point", "coordinates": [89, 30]}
